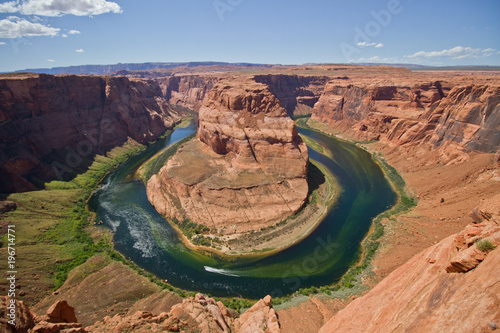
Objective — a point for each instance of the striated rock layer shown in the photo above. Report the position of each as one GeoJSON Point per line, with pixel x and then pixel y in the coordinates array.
{"type": "Point", "coordinates": [297, 94]}
{"type": "Point", "coordinates": [187, 90]}
{"type": "Point", "coordinates": [52, 126]}
{"type": "Point", "coordinates": [454, 118]}
{"type": "Point", "coordinates": [246, 170]}
{"type": "Point", "coordinates": [452, 286]}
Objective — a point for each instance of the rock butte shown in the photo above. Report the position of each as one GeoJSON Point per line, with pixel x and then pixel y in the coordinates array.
{"type": "Point", "coordinates": [246, 170]}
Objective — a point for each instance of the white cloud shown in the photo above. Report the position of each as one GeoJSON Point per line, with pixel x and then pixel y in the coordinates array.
{"type": "Point", "coordinates": [71, 32]}
{"type": "Point", "coordinates": [365, 44]}
{"type": "Point", "coordinates": [456, 53]}
{"type": "Point", "coordinates": [3, 43]}
{"type": "Point", "coordinates": [50, 60]}
{"type": "Point", "coordinates": [61, 7]}
{"type": "Point", "coordinates": [13, 27]}
{"type": "Point", "coordinates": [80, 50]}
{"type": "Point", "coordinates": [9, 7]}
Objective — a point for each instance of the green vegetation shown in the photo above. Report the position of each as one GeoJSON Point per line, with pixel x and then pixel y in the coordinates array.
{"type": "Point", "coordinates": [313, 144]}
{"type": "Point", "coordinates": [297, 117]}
{"type": "Point", "coordinates": [190, 228]}
{"type": "Point", "coordinates": [154, 165]}
{"type": "Point", "coordinates": [53, 225]}
{"type": "Point", "coordinates": [485, 245]}
{"type": "Point", "coordinates": [70, 231]}
{"type": "Point", "coordinates": [238, 304]}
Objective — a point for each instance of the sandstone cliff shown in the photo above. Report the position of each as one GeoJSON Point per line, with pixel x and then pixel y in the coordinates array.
{"type": "Point", "coordinates": [246, 170]}
{"type": "Point", "coordinates": [187, 90]}
{"type": "Point", "coordinates": [452, 286]}
{"type": "Point", "coordinates": [51, 127]}
{"type": "Point", "coordinates": [296, 93]}
{"type": "Point", "coordinates": [453, 118]}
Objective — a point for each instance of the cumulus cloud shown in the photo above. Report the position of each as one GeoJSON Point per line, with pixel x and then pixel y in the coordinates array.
{"type": "Point", "coordinates": [2, 43]}
{"type": "Point", "coordinates": [61, 7]}
{"type": "Point", "coordinates": [73, 32]}
{"type": "Point", "coordinates": [80, 51]}
{"type": "Point", "coordinates": [13, 27]}
{"type": "Point", "coordinates": [456, 53]}
{"type": "Point", "coordinates": [365, 44]}
{"type": "Point", "coordinates": [9, 7]}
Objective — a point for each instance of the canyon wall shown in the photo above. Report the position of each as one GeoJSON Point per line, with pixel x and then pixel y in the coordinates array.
{"type": "Point", "coordinates": [451, 117]}
{"type": "Point", "coordinates": [297, 94]}
{"type": "Point", "coordinates": [51, 127]}
{"type": "Point", "coordinates": [187, 90]}
{"type": "Point", "coordinates": [246, 170]}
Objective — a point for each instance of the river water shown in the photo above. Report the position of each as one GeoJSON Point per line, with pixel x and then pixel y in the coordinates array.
{"type": "Point", "coordinates": [144, 236]}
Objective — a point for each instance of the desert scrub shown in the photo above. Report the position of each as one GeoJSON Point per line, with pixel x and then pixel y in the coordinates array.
{"type": "Point", "coordinates": [485, 245]}
{"type": "Point", "coordinates": [189, 228]}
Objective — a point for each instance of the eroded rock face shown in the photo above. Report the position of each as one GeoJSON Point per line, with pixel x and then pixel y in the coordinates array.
{"type": "Point", "coordinates": [297, 94]}
{"type": "Point", "coordinates": [454, 118]}
{"type": "Point", "coordinates": [187, 90]}
{"type": "Point", "coordinates": [52, 126]}
{"type": "Point", "coordinates": [260, 318]}
{"type": "Point", "coordinates": [451, 286]}
{"type": "Point", "coordinates": [194, 314]}
{"type": "Point", "coordinates": [246, 170]}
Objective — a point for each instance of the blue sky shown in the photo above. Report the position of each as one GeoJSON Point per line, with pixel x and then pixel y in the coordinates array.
{"type": "Point", "coordinates": [51, 33]}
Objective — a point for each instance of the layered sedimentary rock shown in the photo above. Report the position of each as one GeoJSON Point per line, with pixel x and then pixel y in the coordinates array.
{"type": "Point", "coordinates": [461, 118]}
{"type": "Point", "coordinates": [52, 126]}
{"type": "Point", "coordinates": [187, 90]}
{"type": "Point", "coordinates": [428, 294]}
{"type": "Point", "coordinates": [246, 169]}
{"type": "Point", "coordinates": [296, 93]}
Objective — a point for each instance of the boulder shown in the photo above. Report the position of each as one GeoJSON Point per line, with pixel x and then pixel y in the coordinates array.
{"type": "Point", "coordinates": [260, 318]}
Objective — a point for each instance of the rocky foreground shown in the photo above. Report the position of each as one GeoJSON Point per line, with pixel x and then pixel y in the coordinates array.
{"type": "Point", "coordinates": [195, 314]}
{"type": "Point", "coordinates": [246, 170]}
{"type": "Point", "coordinates": [452, 286]}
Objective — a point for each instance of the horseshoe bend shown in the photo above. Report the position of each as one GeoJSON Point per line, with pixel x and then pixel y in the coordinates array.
{"type": "Point", "coordinates": [246, 169]}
